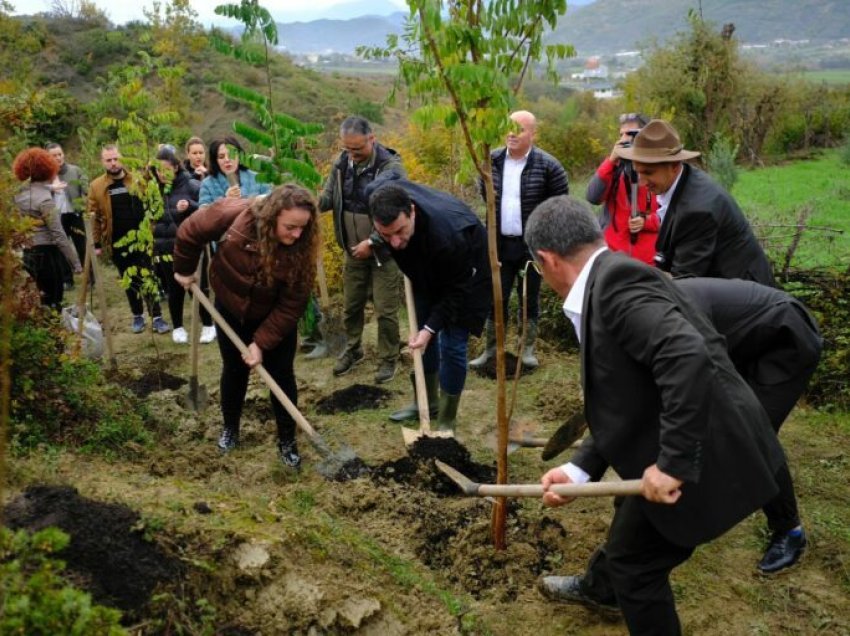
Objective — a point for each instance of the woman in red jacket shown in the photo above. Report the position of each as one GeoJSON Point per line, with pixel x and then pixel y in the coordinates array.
{"type": "Point", "coordinates": [262, 275]}
{"type": "Point", "coordinates": [611, 186]}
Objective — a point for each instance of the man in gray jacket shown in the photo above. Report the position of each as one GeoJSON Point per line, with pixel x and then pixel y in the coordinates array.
{"type": "Point", "coordinates": [367, 264]}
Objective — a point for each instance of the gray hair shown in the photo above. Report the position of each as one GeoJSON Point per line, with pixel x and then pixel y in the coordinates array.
{"type": "Point", "coordinates": [355, 125]}
{"type": "Point", "coordinates": [562, 225]}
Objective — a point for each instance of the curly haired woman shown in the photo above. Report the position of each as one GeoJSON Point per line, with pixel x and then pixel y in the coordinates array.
{"type": "Point", "coordinates": [47, 244]}
{"type": "Point", "coordinates": [262, 275]}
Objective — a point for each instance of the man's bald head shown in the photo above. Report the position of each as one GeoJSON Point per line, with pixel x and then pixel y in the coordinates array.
{"type": "Point", "coordinates": [519, 143]}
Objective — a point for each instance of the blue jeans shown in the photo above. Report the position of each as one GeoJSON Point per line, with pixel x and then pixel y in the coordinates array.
{"type": "Point", "coordinates": [446, 353]}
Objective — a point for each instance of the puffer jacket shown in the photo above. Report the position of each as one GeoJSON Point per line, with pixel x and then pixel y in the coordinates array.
{"type": "Point", "coordinates": [214, 187]}
{"type": "Point", "coordinates": [235, 269]}
{"type": "Point", "coordinates": [543, 177]}
{"type": "Point", "coordinates": [35, 200]}
{"type": "Point", "coordinates": [165, 229]}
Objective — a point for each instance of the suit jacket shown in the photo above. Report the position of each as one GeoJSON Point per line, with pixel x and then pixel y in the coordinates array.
{"type": "Point", "coordinates": [660, 389]}
{"type": "Point", "coordinates": [704, 233]}
{"type": "Point", "coordinates": [772, 339]}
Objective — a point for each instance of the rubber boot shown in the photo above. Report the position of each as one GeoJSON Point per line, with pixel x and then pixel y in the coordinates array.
{"type": "Point", "coordinates": [411, 411]}
{"type": "Point", "coordinates": [529, 360]}
{"type": "Point", "coordinates": [490, 347]}
{"type": "Point", "coordinates": [447, 414]}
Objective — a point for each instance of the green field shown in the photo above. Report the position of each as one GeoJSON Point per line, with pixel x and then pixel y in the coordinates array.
{"type": "Point", "coordinates": [832, 76]}
{"type": "Point", "coordinates": [772, 198]}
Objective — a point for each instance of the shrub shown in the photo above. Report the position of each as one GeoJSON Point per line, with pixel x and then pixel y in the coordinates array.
{"type": "Point", "coordinates": [844, 153]}
{"type": "Point", "coordinates": [34, 599]}
{"type": "Point", "coordinates": [721, 161]}
{"type": "Point", "coordinates": [59, 398]}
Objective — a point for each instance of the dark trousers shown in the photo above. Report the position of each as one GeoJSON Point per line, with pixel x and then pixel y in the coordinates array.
{"type": "Point", "coordinates": [513, 257]}
{"type": "Point", "coordinates": [633, 568]}
{"type": "Point", "coordinates": [44, 264]}
{"type": "Point", "coordinates": [140, 260]}
{"type": "Point", "coordinates": [234, 374]}
{"type": "Point", "coordinates": [74, 227]}
{"type": "Point", "coordinates": [446, 353]}
{"type": "Point", "coordinates": [177, 295]}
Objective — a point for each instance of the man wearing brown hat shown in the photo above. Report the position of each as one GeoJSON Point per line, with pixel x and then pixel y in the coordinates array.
{"type": "Point", "coordinates": [703, 231]}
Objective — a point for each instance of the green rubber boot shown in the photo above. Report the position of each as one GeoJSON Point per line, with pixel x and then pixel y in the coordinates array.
{"type": "Point", "coordinates": [411, 411]}
{"type": "Point", "coordinates": [489, 347]}
{"type": "Point", "coordinates": [447, 414]}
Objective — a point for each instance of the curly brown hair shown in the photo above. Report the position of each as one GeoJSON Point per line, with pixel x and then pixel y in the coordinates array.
{"type": "Point", "coordinates": [299, 259]}
{"type": "Point", "coordinates": [35, 164]}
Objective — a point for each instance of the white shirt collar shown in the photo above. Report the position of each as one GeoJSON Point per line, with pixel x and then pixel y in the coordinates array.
{"type": "Point", "coordinates": [574, 302]}
{"type": "Point", "coordinates": [664, 197]}
{"type": "Point", "coordinates": [523, 158]}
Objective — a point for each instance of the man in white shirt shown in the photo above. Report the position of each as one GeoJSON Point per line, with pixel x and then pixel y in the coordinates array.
{"type": "Point", "coordinates": [523, 177]}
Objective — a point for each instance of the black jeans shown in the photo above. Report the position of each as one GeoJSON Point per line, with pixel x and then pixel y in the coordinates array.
{"type": "Point", "coordinates": [234, 374]}
{"type": "Point", "coordinates": [140, 260]}
{"type": "Point", "coordinates": [44, 264]}
{"type": "Point", "coordinates": [177, 295]}
{"type": "Point", "coordinates": [513, 256]}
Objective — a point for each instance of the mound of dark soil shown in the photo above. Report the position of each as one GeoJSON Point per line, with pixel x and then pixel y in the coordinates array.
{"type": "Point", "coordinates": [353, 398]}
{"type": "Point", "coordinates": [151, 382]}
{"type": "Point", "coordinates": [489, 368]}
{"type": "Point", "coordinates": [418, 468]}
{"type": "Point", "coordinates": [107, 554]}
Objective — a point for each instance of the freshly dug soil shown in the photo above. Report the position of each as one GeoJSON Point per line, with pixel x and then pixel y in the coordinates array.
{"type": "Point", "coordinates": [108, 555]}
{"type": "Point", "coordinates": [353, 398]}
{"type": "Point", "coordinates": [151, 382]}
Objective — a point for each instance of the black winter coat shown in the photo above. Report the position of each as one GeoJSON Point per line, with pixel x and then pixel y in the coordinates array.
{"type": "Point", "coordinates": [542, 177]}
{"type": "Point", "coordinates": [186, 187]}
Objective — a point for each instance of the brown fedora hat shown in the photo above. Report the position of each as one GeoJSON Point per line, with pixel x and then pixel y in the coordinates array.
{"type": "Point", "coordinates": [657, 142]}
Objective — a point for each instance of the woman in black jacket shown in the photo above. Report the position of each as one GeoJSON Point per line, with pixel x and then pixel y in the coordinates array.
{"type": "Point", "coordinates": [180, 199]}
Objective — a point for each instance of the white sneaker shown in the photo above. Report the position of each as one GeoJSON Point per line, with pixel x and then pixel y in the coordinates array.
{"type": "Point", "coordinates": [207, 334]}
{"type": "Point", "coordinates": [180, 336]}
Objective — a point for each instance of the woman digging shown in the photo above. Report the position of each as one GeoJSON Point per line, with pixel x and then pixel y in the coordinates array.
{"type": "Point", "coordinates": [262, 276]}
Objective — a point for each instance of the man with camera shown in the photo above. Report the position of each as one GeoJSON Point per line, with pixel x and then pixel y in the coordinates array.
{"type": "Point", "coordinates": [703, 231]}
{"type": "Point", "coordinates": [629, 218]}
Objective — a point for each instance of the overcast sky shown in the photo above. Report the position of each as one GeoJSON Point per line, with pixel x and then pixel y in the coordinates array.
{"type": "Point", "coordinates": [121, 11]}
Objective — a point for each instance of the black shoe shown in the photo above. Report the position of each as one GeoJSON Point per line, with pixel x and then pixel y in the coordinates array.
{"type": "Point", "coordinates": [288, 452]}
{"type": "Point", "coordinates": [228, 440]}
{"type": "Point", "coordinates": [385, 372]}
{"type": "Point", "coordinates": [783, 552]}
{"type": "Point", "coordinates": [569, 589]}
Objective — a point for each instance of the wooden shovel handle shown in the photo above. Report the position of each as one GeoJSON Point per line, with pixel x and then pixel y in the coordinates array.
{"type": "Point", "coordinates": [274, 387]}
{"type": "Point", "coordinates": [418, 368]}
{"type": "Point", "coordinates": [323, 281]}
{"type": "Point", "coordinates": [591, 489]}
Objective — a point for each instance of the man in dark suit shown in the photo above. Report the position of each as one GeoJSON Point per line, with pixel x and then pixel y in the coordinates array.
{"type": "Point", "coordinates": [663, 402]}
{"type": "Point", "coordinates": [441, 246]}
{"type": "Point", "coordinates": [703, 231]}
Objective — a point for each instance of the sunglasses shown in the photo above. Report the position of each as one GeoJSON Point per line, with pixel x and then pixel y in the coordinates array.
{"type": "Point", "coordinates": [627, 117]}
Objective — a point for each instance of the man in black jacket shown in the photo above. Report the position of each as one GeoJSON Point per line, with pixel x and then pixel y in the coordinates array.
{"type": "Point", "coordinates": [441, 246]}
{"type": "Point", "coordinates": [365, 267]}
{"type": "Point", "coordinates": [662, 404]}
{"type": "Point", "coordinates": [523, 177]}
{"type": "Point", "coordinates": [703, 231]}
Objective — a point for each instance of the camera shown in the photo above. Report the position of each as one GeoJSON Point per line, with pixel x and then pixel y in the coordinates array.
{"type": "Point", "coordinates": [630, 133]}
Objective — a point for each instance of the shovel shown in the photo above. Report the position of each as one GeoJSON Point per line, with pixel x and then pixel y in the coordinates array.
{"type": "Point", "coordinates": [334, 461]}
{"type": "Point", "coordinates": [565, 437]}
{"type": "Point", "coordinates": [590, 489]}
{"type": "Point", "coordinates": [411, 435]}
{"type": "Point", "coordinates": [197, 397]}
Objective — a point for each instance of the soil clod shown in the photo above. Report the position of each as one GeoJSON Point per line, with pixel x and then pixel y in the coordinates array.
{"type": "Point", "coordinates": [353, 398]}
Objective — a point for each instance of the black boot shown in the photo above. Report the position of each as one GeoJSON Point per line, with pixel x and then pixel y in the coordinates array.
{"type": "Point", "coordinates": [229, 439]}
{"type": "Point", "coordinates": [289, 455]}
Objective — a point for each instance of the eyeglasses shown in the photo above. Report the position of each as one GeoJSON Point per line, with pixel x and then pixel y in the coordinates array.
{"type": "Point", "coordinates": [627, 117]}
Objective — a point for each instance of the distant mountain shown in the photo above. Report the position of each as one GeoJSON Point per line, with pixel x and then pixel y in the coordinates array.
{"type": "Point", "coordinates": [595, 26]}
{"type": "Point", "coordinates": [338, 36]}
{"type": "Point", "coordinates": [607, 26]}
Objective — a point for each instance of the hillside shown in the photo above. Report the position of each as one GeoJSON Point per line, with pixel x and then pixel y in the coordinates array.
{"type": "Point", "coordinates": [611, 25]}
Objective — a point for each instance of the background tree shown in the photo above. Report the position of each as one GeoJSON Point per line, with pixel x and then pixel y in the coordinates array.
{"type": "Point", "coordinates": [464, 62]}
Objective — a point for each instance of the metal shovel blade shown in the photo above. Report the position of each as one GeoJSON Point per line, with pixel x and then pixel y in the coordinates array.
{"type": "Point", "coordinates": [565, 436]}
{"type": "Point", "coordinates": [196, 397]}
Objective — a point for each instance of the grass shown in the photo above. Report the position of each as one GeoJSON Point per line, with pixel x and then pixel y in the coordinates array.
{"type": "Point", "coordinates": [832, 76]}
{"type": "Point", "coordinates": [775, 195]}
